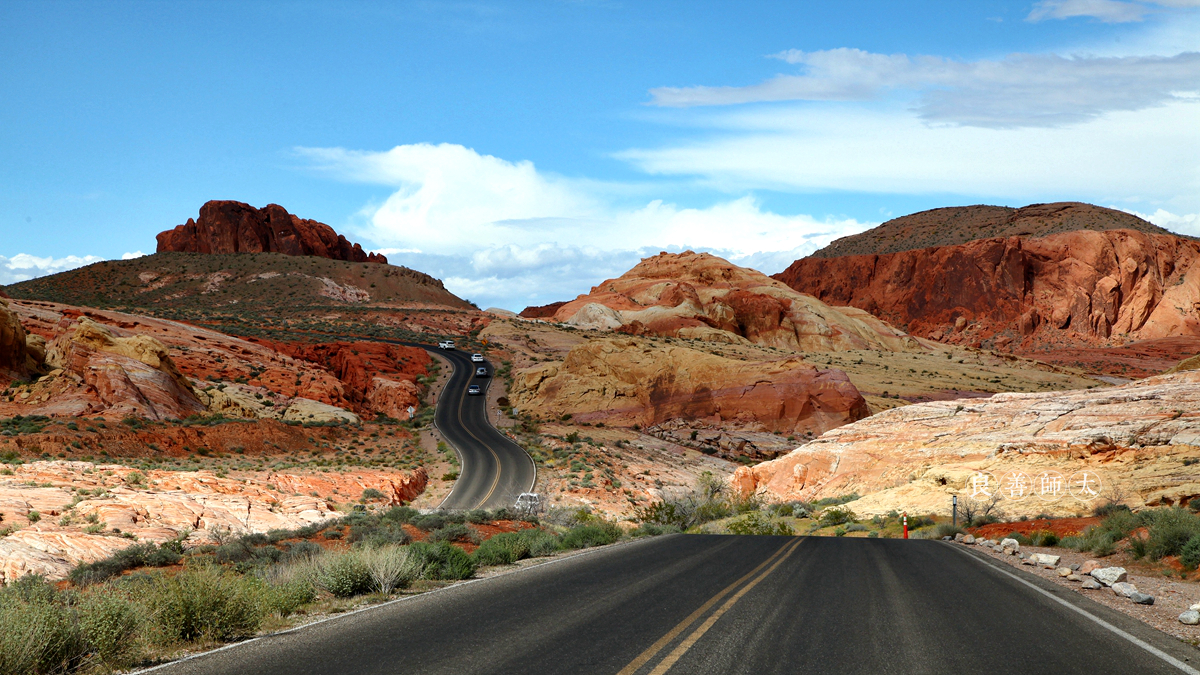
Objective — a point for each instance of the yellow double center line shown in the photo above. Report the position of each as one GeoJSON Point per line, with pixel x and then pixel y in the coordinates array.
{"type": "Point", "coordinates": [773, 562]}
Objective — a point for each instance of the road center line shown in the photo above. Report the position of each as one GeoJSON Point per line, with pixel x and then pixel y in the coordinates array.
{"type": "Point", "coordinates": [1104, 624]}
{"type": "Point", "coordinates": [678, 652]}
{"type": "Point", "coordinates": [663, 641]}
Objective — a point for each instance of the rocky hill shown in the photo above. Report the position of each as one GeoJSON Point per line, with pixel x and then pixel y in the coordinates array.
{"type": "Point", "coordinates": [959, 224]}
{"type": "Point", "coordinates": [700, 296]}
{"type": "Point", "coordinates": [235, 227]}
{"type": "Point", "coordinates": [249, 282]}
{"type": "Point", "coordinates": [1083, 287]}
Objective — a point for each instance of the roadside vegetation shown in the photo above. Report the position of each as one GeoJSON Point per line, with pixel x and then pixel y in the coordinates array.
{"type": "Point", "coordinates": [148, 602]}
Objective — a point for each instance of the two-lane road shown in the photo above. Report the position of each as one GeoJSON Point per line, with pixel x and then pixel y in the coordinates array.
{"type": "Point", "coordinates": [729, 604]}
{"type": "Point", "coordinates": [494, 469]}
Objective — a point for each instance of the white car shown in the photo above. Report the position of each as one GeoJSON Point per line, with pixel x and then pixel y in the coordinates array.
{"type": "Point", "coordinates": [446, 344]}
{"type": "Point", "coordinates": [474, 390]}
{"type": "Point", "coordinates": [477, 358]}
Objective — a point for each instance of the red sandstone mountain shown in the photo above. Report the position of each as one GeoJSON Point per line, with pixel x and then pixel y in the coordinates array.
{"type": "Point", "coordinates": [234, 227]}
{"type": "Point", "coordinates": [1058, 275]}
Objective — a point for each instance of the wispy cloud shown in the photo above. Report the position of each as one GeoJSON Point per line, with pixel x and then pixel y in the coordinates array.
{"type": "Point", "coordinates": [1108, 11]}
{"type": "Point", "coordinates": [23, 267]}
{"type": "Point", "coordinates": [1020, 90]}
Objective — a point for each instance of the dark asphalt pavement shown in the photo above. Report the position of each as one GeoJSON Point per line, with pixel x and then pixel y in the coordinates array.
{"type": "Point", "coordinates": [724, 604]}
{"type": "Point", "coordinates": [494, 469]}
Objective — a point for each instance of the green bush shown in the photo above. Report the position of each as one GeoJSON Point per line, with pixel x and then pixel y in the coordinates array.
{"type": "Point", "coordinates": [758, 523]}
{"type": "Point", "coordinates": [138, 555]}
{"type": "Point", "coordinates": [287, 597]}
{"type": "Point", "coordinates": [451, 532]}
{"type": "Point", "coordinates": [38, 632]}
{"type": "Point", "coordinates": [502, 549]}
{"type": "Point", "coordinates": [400, 514]}
{"type": "Point", "coordinates": [1043, 538]}
{"type": "Point", "coordinates": [112, 626]}
{"type": "Point", "coordinates": [343, 574]}
{"type": "Point", "coordinates": [541, 543]}
{"type": "Point", "coordinates": [442, 561]}
{"type": "Point", "coordinates": [1169, 530]}
{"type": "Point", "coordinates": [390, 567]}
{"type": "Point", "coordinates": [204, 604]}
{"type": "Point", "coordinates": [945, 530]}
{"type": "Point", "coordinates": [1190, 556]}
{"type": "Point", "coordinates": [837, 515]}
{"type": "Point", "coordinates": [584, 536]}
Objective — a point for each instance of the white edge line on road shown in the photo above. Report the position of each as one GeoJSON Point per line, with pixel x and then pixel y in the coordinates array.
{"type": "Point", "coordinates": [243, 643]}
{"type": "Point", "coordinates": [1137, 641]}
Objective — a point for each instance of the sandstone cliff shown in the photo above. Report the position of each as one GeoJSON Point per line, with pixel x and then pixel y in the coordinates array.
{"type": "Point", "coordinates": [698, 295]}
{"type": "Point", "coordinates": [1136, 437]}
{"type": "Point", "coordinates": [1081, 287]}
{"type": "Point", "coordinates": [234, 227]}
{"type": "Point", "coordinates": [624, 381]}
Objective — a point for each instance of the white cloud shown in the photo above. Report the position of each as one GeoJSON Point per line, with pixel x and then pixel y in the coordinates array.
{"type": "Point", "coordinates": [131, 256]}
{"type": "Point", "coordinates": [1146, 157]}
{"type": "Point", "coordinates": [23, 267]}
{"type": "Point", "coordinates": [1108, 11]}
{"type": "Point", "coordinates": [503, 233]}
{"type": "Point", "coordinates": [1019, 90]}
{"type": "Point", "coordinates": [1188, 223]}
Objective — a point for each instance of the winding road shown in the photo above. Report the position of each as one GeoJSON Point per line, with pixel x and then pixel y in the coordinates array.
{"type": "Point", "coordinates": [494, 469]}
{"type": "Point", "coordinates": [685, 604]}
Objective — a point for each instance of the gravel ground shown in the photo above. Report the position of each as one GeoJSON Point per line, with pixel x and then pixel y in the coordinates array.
{"type": "Point", "coordinates": [1171, 597]}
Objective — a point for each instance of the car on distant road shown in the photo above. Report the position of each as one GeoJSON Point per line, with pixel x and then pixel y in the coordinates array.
{"type": "Point", "coordinates": [446, 344]}
{"type": "Point", "coordinates": [474, 390]}
{"type": "Point", "coordinates": [477, 358]}
{"type": "Point", "coordinates": [481, 372]}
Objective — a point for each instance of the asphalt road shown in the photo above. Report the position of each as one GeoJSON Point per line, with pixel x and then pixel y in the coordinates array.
{"type": "Point", "coordinates": [494, 469]}
{"type": "Point", "coordinates": [726, 604]}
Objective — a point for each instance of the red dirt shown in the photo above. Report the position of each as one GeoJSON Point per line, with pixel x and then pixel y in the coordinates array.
{"type": "Point", "coordinates": [1062, 527]}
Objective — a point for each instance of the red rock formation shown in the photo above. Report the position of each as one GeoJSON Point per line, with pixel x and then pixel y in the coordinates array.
{"type": "Point", "coordinates": [12, 344]}
{"type": "Point", "coordinates": [542, 311]}
{"type": "Point", "coordinates": [1073, 288]}
{"type": "Point", "coordinates": [379, 377]}
{"type": "Point", "coordinates": [234, 227]}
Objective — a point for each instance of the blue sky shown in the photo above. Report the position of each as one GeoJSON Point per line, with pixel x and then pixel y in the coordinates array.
{"type": "Point", "coordinates": [524, 151]}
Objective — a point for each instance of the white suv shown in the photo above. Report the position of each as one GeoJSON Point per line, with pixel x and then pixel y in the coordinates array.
{"type": "Point", "coordinates": [446, 344]}
{"type": "Point", "coordinates": [477, 358]}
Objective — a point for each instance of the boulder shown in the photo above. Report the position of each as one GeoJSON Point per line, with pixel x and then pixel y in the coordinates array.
{"type": "Point", "coordinates": [1046, 559]}
{"type": "Point", "coordinates": [235, 227]}
{"type": "Point", "coordinates": [1141, 598]}
{"type": "Point", "coordinates": [1190, 617]}
{"type": "Point", "coordinates": [959, 536]}
{"type": "Point", "coordinates": [1064, 571]}
{"type": "Point", "coordinates": [1089, 566]}
{"type": "Point", "coordinates": [1091, 584]}
{"type": "Point", "coordinates": [969, 539]}
{"type": "Point", "coordinates": [1074, 577]}
{"type": "Point", "coordinates": [1124, 589]}
{"type": "Point", "coordinates": [1109, 575]}
{"type": "Point", "coordinates": [1011, 546]}
{"type": "Point", "coordinates": [1195, 607]}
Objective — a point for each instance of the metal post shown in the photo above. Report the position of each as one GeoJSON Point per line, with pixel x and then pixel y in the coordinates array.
{"type": "Point", "coordinates": [954, 510]}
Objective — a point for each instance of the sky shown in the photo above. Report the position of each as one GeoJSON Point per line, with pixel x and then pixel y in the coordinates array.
{"type": "Point", "coordinates": [523, 152]}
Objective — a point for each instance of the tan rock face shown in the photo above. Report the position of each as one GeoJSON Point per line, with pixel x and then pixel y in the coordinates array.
{"type": "Point", "coordinates": [914, 458]}
{"type": "Point", "coordinates": [698, 295]}
{"type": "Point", "coordinates": [12, 343]}
{"type": "Point", "coordinates": [129, 375]}
{"type": "Point", "coordinates": [628, 381]}
{"type": "Point", "coordinates": [1082, 287]}
{"type": "Point", "coordinates": [162, 505]}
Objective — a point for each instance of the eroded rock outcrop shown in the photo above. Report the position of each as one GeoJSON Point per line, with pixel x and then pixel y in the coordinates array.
{"type": "Point", "coordinates": [12, 344]}
{"type": "Point", "coordinates": [627, 381]}
{"type": "Point", "coordinates": [1135, 437]}
{"type": "Point", "coordinates": [235, 227]}
{"type": "Point", "coordinates": [698, 295]}
{"type": "Point", "coordinates": [161, 505]}
{"type": "Point", "coordinates": [1082, 287]}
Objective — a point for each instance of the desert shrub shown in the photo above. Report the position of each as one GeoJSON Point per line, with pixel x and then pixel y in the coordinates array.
{"type": "Point", "coordinates": [502, 549]}
{"type": "Point", "coordinates": [344, 575]}
{"type": "Point", "coordinates": [1043, 538]}
{"type": "Point", "coordinates": [379, 533]}
{"type": "Point", "coordinates": [1101, 539]}
{"type": "Point", "coordinates": [390, 567]}
{"type": "Point", "coordinates": [597, 534]}
{"type": "Point", "coordinates": [1190, 555]}
{"type": "Point", "coordinates": [856, 527]}
{"type": "Point", "coordinates": [758, 523]}
{"type": "Point", "coordinates": [478, 516]}
{"type": "Point", "coordinates": [1168, 531]}
{"type": "Point", "coordinates": [138, 555]}
{"type": "Point", "coordinates": [371, 494]}
{"type": "Point", "coordinates": [1108, 508]}
{"type": "Point", "coordinates": [204, 604]}
{"type": "Point", "coordinates": [838, 515]}
{"type": "Point", "coordinates": [430, 521]}
{"type": "Point", "coordinates": [301, 550]}
{"type": "Point", "coordinates": [442, 561]}
{"type": "Point", "coordinates": [833, 501]}
{"type": "Point", "coordinates": [652, 530]}
{"type": "Point", "coordinates": [112, 627]}
{"type": "Point", "coordinates": [287, 597]}
{"type": "Point", "coordinates": [400, 514]}
{"type": "Point", "coordinates": [541, 543]}
{"type": "Point", "coordinates": [38, 632]}
{"type": "Point", "coordinates": [945, 530]}
{"type": "Point", "coordinates": [451, 532]}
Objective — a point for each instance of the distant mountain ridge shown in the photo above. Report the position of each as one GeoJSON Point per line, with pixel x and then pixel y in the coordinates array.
{"type": "Point", "coordinates": [960, 224]}
{"type": "Point", "coordinates": [236, 227]}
